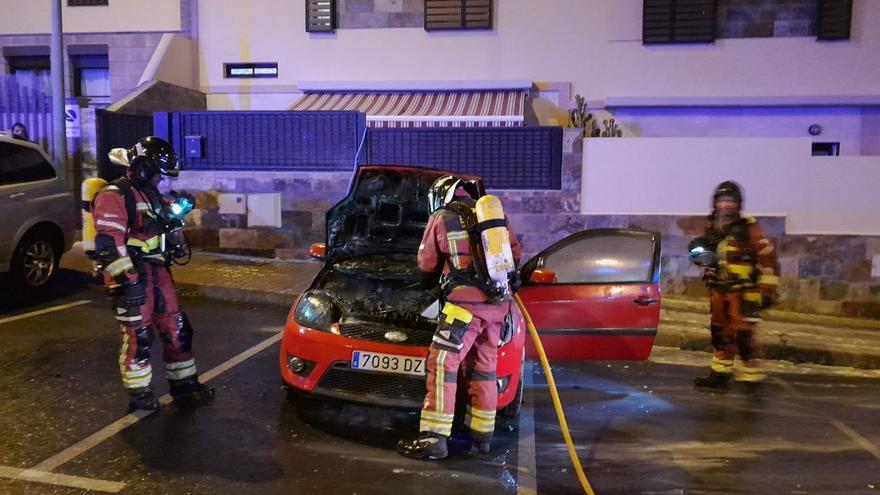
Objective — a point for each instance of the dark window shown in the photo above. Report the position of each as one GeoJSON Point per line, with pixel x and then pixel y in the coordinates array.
{"type": "Point", "coordinates": [678, 21]}
{"type": "Point", "coordinates": [20, 164]}
{"type": "Point", "coordinates": [320, 16]}
{"type": "Point", "coordinates": [248, 70]}
{"type": "Point", "coordinates": [458, 14]}
{"type": "Point", "coordinates": [91, 75]}
{"type": "Point", "coordinates": [84, 3]}
{"type": "Point", "coordinates": [826, 149]}
{"type": "Point", "coordinates": [833, 19]}
{"type": "Point", "coordinates": [603, 259]}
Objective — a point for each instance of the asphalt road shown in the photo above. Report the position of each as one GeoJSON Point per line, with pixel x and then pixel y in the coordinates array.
{"type": "Point", "coordinates": [638, 427]}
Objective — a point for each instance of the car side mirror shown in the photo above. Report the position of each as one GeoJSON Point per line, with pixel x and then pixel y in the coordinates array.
{"type": "Point", "coordinates": [543, 276]}
{"type": "Point", "coordinates": [318, 250]}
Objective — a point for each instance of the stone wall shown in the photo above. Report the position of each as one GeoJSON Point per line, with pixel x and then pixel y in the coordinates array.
{"type": "Point", "coordinates": [305, 199]}
{"type": "Point", "coordinates": [820, 274]}
{"type": "Point", "coordinates": [366, 14]}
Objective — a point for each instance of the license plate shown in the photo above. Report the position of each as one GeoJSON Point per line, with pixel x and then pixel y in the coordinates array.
{"type": "Point", "coordinates": [388, 363]}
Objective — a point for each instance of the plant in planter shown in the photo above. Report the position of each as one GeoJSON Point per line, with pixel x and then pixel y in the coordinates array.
{"type": "Point", "coordinates": [611, 129]}
{"type": "Point", "coordinates": [580, 117]}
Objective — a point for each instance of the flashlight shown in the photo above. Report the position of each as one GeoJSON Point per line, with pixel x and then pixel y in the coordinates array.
{"type": "Point", "coordinates": [183, 204]}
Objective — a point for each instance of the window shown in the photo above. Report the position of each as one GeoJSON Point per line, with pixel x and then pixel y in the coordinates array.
{"type": "Point", "coordinates": [30, 71]}
{"type": "Point", "coordinates": [253, 69]}
{"type": "Point", "coordinates": [458, 14]}
{"type": "Point", "coordinates": [593, 259]}
{"type": "Point", "coordinates": [91, 75]}
{"type": "Point", "coordinates": [320, 16]}
{"type": "Point", "coordinates": [826, 149]}
{"type": "Point", "coordinates": [86, 3]}
{"type": "Point", "coordinates": [833, 19]}
{"type": "Point", "coordinates": [678, 21]}
{"type": "Point", "coordinates": [19, 164]}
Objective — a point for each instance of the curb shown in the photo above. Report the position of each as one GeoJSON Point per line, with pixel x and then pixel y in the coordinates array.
{"type": "Point", "coordinates": [702, 307]}
{"type": "Point", "coordinates": [691, 339]}
{"type": "Point", "coordinates": [236, 294]}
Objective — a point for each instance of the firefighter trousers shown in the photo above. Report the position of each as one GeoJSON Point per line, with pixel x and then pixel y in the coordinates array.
{"type": "Point", "coordinates": [733, 327]}
{"type": "Point", "coordinates": [161, 311]}
{"type": "Point", "coordinates": [478, 355]}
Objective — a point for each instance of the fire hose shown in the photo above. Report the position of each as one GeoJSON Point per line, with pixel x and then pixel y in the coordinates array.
{"type": "Point", "coordinates": [554, 394]}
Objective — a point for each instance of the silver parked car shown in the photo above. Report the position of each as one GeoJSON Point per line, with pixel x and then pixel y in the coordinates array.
{"type": "Point", "coordinates": [38, 215]}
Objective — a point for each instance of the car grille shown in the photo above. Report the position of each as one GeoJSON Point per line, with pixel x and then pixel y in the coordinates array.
{"type": "Point", "coordinates": [375, 332]}
{"type": "Point", "coordinates": [370, 386]}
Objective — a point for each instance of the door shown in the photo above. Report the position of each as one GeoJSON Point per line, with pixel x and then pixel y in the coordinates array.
{"type": "Point", "coordinates": [28, 188]}
{"type": "Point", "coordinates": [604, 301]}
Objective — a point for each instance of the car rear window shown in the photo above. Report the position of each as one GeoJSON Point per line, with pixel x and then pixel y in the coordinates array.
{"type": "Point", "coordinates": [603, 259]}
{"type": "Point", "coordinates": [19, 164]}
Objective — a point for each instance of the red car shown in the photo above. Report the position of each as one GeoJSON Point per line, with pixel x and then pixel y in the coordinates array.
{"type": "Point", "coordinates": [362, 329]}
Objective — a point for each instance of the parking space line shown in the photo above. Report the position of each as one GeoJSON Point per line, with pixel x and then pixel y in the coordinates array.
{"type": "Point", "coordinates": [853, 435]}
{"type": "Point", "coordinates": [109, 431]}
{"type": "Point", "coordinates": [61, 480]}
{"type": "Point", "coordinates": [44, 311]}
{"type": "Point", "coordinates": [526, 478]}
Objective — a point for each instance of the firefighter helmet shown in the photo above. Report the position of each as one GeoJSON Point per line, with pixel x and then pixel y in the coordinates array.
{"type": "Point", "coordinates": [151, 156]}
{"type": "Point", "coordinates": [728, 188]}
{"type": "Point", "coordinates": [442, 191]}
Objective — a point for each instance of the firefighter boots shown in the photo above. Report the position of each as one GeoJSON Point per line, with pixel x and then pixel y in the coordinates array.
{"type": "Point", "coordinates": [481, 446]}
{"type": "Point", "coordinates": [426, 446]}
{"type": "Point", "coordinates": [142, 398]}
{"type": "Point", "coordinates": [720, 381]}
{"type": "Point", "coordinates": [188, 392]}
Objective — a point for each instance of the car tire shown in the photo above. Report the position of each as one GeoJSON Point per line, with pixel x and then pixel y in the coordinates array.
{"type": "Point", "coordinates": [35, 264]}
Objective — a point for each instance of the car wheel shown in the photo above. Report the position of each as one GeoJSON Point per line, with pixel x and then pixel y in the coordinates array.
{"type": "Point", "coordinates": [35, 264]}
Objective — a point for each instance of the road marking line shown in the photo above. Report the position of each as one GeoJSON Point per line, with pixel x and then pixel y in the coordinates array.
{"type": "Point", "coordinates": [44, 311]}
{"type": "Point", "coordinates": [840, 425]}
{"type": "Point", "coordinates": [61, 479]}
{"type": "Point", "coordinates": [108, 431]}
{"type": "Point", "coordinates": [858, 439]}
{"type": "Point", "coordinates": [526, 478]}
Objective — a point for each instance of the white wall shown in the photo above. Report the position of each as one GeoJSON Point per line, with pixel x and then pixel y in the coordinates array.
{"type": "Point", "coordinates": [556, 40]}
{"type": "Point", "coordinates": [174, 61]}
{"type": "Point", "coordinates": [676, 176]}
{"type": "Point", "coordinates": [839, 124]}
{"type": "Point", "coordinates": [35, 17]}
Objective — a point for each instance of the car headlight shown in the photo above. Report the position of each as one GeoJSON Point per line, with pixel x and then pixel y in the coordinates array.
{"type": "Point", "coordinates": [508, 329]}
{"type": "Point", "coordinates": [316, 310]}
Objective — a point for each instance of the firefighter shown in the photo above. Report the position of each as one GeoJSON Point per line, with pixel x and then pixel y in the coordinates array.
{"type": "Point", "coordinates": [741, 284]}
{"type": "Point", "coordinates": [469, 323]}
{"type": "Point", "coordinates": [130, 246]}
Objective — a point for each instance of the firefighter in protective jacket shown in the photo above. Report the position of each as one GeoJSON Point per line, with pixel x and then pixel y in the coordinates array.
{"type": "Point", "coordinates": [130, 245]}
{"type": "Point", "coordinates": [470, 321]}
{"type": "Point", "coordinates": [741, 284]}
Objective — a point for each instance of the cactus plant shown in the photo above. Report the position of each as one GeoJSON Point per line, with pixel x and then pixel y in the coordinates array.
{"type": "Point", "coordinates": [580, 117]}
{"type": "Point", "coordinates": [611, 129]}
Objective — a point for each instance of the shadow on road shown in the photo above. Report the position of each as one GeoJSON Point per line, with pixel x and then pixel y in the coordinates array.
{"type": "Point", "coordinates": [67, 283]}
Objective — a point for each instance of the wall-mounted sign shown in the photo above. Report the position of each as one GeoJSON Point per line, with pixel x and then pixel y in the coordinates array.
{"type": "Point", "coordinates": [251, 69]}
{"type": "Point", "coordinates": [72, 121]}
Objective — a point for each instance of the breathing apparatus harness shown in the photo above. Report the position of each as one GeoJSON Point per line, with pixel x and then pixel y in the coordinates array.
{"type": "Point", "coordinates": [477, 274]}
{"type": "Point", "coordinates": [166, 222]}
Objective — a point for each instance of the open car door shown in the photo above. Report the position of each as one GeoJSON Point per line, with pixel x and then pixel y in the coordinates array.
{"type": "Point", "coordinates": [595, 295]}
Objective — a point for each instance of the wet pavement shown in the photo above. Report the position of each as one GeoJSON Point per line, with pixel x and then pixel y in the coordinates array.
{"type": "Point", "coordinates": [638, 427]}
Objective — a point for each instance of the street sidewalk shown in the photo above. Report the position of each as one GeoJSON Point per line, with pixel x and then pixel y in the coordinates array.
{"type": "Point", "coordinates": [684, 322]}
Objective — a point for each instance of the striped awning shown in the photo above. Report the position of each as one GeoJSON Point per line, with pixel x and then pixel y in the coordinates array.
{"type": "Point", "coordinates": [424, 109]}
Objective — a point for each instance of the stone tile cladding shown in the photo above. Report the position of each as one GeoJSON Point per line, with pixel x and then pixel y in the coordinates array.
{"type": "Point", "coordinates": [820, 274]}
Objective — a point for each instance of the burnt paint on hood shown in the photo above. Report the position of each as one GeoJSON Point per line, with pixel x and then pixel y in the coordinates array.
{"type": "Point", "coordinates": [385, 212]}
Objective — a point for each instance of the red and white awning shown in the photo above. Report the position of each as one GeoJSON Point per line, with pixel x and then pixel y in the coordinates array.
{"type": "Point", "coordinates": [424, 109]}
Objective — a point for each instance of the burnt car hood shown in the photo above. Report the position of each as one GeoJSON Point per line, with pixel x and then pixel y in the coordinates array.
{"type": "Point", "coordinates": [385, 212]}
